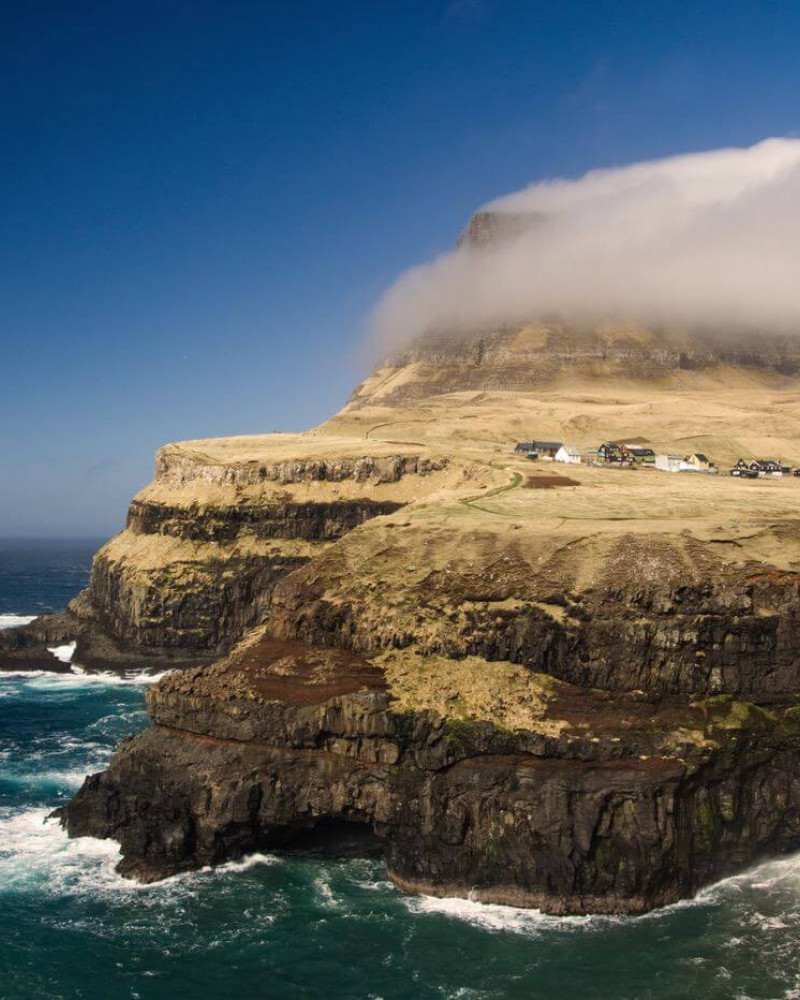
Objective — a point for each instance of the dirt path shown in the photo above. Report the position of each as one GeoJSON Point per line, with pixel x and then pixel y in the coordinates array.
{"type": "Point", "coordinates": [515, 483]}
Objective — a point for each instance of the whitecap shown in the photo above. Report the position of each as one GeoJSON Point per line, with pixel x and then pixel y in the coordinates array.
{"type": "Point", "coordinates": [71, 778]}
{"type": "Point", "coordinates": [766, 877]}
{"type": "Point", "coordinates": [379, 885]}
{"type": "Point", "coordinates": [244, 864]}
{"type": "Point", "coordinates": [36, 853]}
{"type": "Point", "coordinates": [325, 893]}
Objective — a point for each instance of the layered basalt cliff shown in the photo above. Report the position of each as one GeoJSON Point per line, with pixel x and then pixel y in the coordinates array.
{"type": "Point", "coordinates": [282, 744]}
{"type": "Point", "coordinates": [543, 354]}
{"type": "Point", "coordinates": [518, 714]}
{"type": "Point", "coordinates": [204, 546]}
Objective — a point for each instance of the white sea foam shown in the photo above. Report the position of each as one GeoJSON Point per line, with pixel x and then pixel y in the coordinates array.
{"type": "Point", "coordinates": [78, 678]}
{"type": "Point", "coordinates": [71, 778]}
{"type": "Point", "coordinates": [780, 873]}
{"type": "Point", "coordinates": [245, 864]}
{"type": "Point", "coordinates": [325, 893]}
{"type": "Point", "coordinates": [63, 653]}
{"type": "Point", "coordinates": [773, 877]}
{"type": "Point", "coordinates": [115, 680]}
{"type": "Point", "coordinates": [11, 621]}
{"type": "Point", "coordinates": [493, 917]}
{"type": "Point", "coordinates": [37, 855]}
{"type": "Point", "coordinates": [378, 885]}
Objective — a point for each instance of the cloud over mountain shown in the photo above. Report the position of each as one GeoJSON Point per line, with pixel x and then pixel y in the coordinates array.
{"type": "Point", "coordinates": [706, 239]}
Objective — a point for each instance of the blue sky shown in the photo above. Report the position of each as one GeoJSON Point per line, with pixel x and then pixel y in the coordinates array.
{"type": "Point", "coordinates": [201, 202]}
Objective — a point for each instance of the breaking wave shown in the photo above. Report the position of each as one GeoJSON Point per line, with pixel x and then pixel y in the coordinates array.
{"type": "Point", "coordinates": [36, 855]}
{"type": "Point", "coordinates": [12, 621]}
{"type": "Point", "coordinates": [78, 678]}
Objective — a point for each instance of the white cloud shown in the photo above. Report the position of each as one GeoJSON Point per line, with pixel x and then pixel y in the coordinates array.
{"type": "Point", "coordinates": [704, 239]}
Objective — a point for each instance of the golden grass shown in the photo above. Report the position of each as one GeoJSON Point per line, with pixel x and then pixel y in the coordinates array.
{"type": "Point", "coordinates": [471, 689]}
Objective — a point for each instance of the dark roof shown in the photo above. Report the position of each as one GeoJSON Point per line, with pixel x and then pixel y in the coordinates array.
{"type": "Point", "coordinates": [700, 456]}
{"type": "Point", "coordinates": [547, 445]}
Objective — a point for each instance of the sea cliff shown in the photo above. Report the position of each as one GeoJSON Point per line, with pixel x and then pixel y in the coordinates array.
{"type": "Point", "coordinates": [570, 689]}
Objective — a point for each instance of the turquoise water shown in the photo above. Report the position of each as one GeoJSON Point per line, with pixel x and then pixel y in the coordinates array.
{"type": "Point", "coordinates": [307, 927]}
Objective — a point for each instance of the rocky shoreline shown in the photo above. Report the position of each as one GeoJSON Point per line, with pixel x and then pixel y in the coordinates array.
{"type": "Point", "coordinates": [282, 741]}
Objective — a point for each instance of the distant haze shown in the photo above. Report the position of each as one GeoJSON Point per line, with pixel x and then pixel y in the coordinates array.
{"type": "Point", "coordinates": [708, 239]}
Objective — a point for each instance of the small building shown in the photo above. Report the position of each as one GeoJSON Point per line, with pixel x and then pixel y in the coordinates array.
{"type": "Point", "coordinates": [610, 452]}
{"type": "Point", "coordinates": [547, 449]}
{"type": "Point", "coordinates": [524, 447]}
{"type": "Point", "coordinates": [766, 467]}
{"type": "Point", "coordinates": [698, 461]}
{"type": "Point", "coordinates": [742, 470]}
{"type": "Point", "coordinates": [567, 454]}
{"type": "Point", "coordinates": [668, 463]}
{"type": "Point", "coordinates": [636, 453]}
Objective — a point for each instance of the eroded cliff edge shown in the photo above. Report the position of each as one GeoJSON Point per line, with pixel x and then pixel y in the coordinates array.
{"type": "Point", "coordinates": [206, 542]}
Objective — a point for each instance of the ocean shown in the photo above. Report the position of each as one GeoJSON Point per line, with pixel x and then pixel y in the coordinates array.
{"type": "Point", "coordinates": [308, 927]}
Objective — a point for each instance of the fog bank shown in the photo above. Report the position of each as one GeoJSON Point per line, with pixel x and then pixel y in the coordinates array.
{"type": "Point", "coordinates": [707, 239]}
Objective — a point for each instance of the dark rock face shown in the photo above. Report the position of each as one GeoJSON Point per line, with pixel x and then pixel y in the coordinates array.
{"type": "Point", "coordinates": [205, 612]}
{"type": "Point", "coordinates": [26, 647]}
{"type": "Point", "coordinates": [312, 521]}
{"type": "Point", "coordinates": [210, 605]}
{"type": "Point", "coordinates": [191, 610]}
{"type": "Point", "coordinates": [644, 779]}
{"type": "Point", "coordinates": [510, 358]}
{"type": "Point", "coordinates": [611, 836]}
{"type": "Point", "coordinates": [258, 752]}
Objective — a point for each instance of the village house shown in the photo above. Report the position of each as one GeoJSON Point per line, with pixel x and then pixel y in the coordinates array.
{"type": "Point", "coordinates": [766, 467]}
{"type": "Point", "coordinates": [698, 462]}
{"type": "Point", "coordinates": [538, 449]}
{"type": "Point", "coordinates": [610, 452]}
{"type": "Point", "coordinates": [636, 453]}
{"type": "Point", "coordinates": [568, 454]}
{"type": "Point", "coordinates": [547, 449]}
{"type": "Point", "coordinates": [759, 468]}
{"type": "Point", "coordinates": [743, 471]}
{"type": "Point", "coordinates": [668, 463]}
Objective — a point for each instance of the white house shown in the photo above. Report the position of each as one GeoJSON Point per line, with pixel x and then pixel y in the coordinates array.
{"type": "Point", "coordinates": [669, 463]}
{"type": "Point", "coordinates": [567, 454]}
